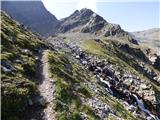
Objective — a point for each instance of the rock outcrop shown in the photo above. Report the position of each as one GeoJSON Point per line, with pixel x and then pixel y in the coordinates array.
{"type": "Point", "coordinates": [157, 63]}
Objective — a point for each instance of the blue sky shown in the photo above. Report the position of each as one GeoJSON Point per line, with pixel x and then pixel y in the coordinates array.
{"type": "Point", "coordinates": [132, 15]}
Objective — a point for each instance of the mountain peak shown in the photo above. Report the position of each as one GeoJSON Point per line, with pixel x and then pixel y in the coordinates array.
{"type": "Point", "coordinates": [90, 12]}
{"type": "Point", "coordinates": [87, 21]}
{"type": "Point", "coordinates": [80, 19]}
{"type": "Point", "coordinates": [86, 10]}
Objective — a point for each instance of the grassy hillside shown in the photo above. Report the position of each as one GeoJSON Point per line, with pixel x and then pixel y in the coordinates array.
{"type": "Point", "coordinates": [19, 48]}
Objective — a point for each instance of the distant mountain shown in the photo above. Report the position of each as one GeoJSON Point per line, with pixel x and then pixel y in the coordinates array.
{"type": "Point", "coordinates": [148, 34]}
{"type": "Point", "coordinates": [150, 37]}
{"type": "Point", "coordinates": [32, 14]}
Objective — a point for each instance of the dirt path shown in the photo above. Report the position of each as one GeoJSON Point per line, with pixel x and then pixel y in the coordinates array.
{"type": "Point", "coordinates": [40, 106]}
{"type": "Point", "coordinates": [46, 88]}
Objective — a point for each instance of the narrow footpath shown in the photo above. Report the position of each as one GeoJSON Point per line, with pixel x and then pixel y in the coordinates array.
{"type": "Point", "coordinates": [46, 88]}
{"type": "Point", "coordinates": [40, 104]}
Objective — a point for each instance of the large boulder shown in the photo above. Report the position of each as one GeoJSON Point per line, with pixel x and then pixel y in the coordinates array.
{"type": "Point", "coordinates": [157, 63]}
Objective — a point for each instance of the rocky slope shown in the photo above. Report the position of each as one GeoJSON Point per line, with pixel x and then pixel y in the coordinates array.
{"type": "Point", "coordinates": [32, 14]}
{"type": "Point", "coordinates": [120, 70]}
{"type": "Point", "coordinates": [79, 95]}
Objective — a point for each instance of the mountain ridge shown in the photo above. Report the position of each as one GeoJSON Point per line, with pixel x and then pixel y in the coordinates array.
{"type": "Point", "coordinates": [86, 21]}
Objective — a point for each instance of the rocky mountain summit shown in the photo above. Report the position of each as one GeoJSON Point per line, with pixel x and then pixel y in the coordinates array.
{"type": "Point", "coordinates": [86, 21]}
{"type": "Point", "coordinates": [32, 14]}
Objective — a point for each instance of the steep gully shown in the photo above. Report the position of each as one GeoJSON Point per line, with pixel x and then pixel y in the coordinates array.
{"type": "Point", "coordinates": [114, 85]}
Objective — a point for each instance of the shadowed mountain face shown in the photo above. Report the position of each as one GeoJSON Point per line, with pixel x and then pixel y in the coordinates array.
{"type": "Point", "coordinates": [32, 14]}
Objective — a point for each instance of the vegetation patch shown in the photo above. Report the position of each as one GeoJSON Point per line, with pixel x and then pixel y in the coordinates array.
{"type": "Point", "coordinates": [93, 47]}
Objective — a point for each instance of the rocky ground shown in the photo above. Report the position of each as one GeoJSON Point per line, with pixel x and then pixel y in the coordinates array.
{"type": "Point", "coordinates": [135, 94]}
